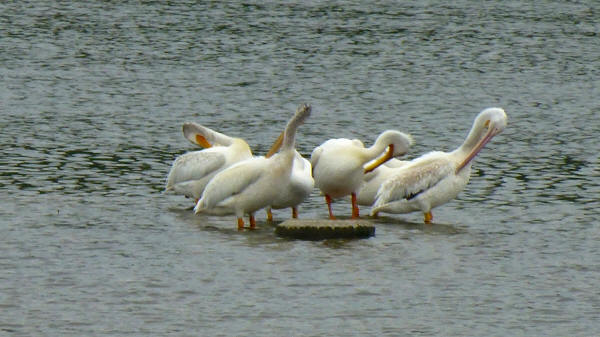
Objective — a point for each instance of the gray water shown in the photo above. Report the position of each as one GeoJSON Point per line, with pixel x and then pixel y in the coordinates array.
{"type": "Point", "coordinates": [92, 100]}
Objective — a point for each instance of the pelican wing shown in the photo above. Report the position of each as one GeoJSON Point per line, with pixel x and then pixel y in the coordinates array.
{"type": "Point", "coordinates": [194, 166]}
{"type": "Point", "coordinates": [413, 179]}
{"type": "Point", "coordinates": [231, 182]}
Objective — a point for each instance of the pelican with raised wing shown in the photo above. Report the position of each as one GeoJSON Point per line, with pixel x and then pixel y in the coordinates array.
{"type": "Point", "coordinates": [338, 165]}
{"type": "Point", "coordinates": [437, 177]}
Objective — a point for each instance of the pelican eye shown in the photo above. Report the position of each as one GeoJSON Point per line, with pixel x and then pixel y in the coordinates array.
{"type": "Point", "coordinates": [487, 123]}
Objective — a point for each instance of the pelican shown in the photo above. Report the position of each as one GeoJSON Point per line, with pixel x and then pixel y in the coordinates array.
{"type": "Point", "coordinates": [255, 183]}
{"type": "Point", "coordinates": [339, 164]}
{"type": "Point", "coordinates": [191, 172]}
{"type": "Point", "coordinates": [373, 180]}
{"type": "Point", "coordinates": [298, 188]}
{"type": "Point", "coordinates": [437, 177]}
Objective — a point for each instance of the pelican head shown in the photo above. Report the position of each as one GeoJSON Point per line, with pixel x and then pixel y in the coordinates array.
{"type": "Point", "coordinates": [397, 144]}
{"type": "Point", "coordinates": [487, 124]}
{"type": "Point", "coordinates": [205, 137]}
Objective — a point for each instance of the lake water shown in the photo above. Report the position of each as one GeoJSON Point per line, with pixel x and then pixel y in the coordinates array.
{"type": "Point", "coordinates": [92, 101]}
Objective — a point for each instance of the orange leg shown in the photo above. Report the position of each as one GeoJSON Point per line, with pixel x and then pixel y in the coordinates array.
{"type": "Point", "coordinates": [294, 213]}
{"type": "Point", "coordinates": [269, 215]}
{"type": "Point", "coordinates": [428, 217]}
{"type": "Point", "coordinates": [328, 200]}
{"type": "Point", "coordinates": [354, 206]}
{"type": "Point", "coordinates": [240, 224]}
{"type": "Point", "coordinates": [252, 221]}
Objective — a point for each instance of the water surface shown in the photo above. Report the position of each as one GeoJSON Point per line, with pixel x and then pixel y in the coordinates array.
{"type": "Point", "coordinates": [92, 102]}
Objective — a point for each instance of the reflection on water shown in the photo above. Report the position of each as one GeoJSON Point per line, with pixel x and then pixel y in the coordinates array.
{"type": "Point", "coordinates": [92, 105]}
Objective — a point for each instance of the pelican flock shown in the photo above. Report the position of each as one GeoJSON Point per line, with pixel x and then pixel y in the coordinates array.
{"type": "Point", "coordinates": [226, 179]}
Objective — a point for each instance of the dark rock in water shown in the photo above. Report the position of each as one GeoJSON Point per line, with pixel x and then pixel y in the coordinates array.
{"type": "Point", "coordinates": [325, 229]}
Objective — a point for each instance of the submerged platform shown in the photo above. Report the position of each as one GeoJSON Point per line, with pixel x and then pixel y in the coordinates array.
{"type": "Point", "coordinates": [322, 229]}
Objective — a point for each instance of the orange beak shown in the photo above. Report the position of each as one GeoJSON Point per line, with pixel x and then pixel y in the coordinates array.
{"type": "Point", "coordinates": [488, 136]}
{"type": "Point", "coordinates": [276, 146]}
{"type": "Point", "coordinates": [200, 140]}
{"type": "Point", "coordinates": [387, 156]}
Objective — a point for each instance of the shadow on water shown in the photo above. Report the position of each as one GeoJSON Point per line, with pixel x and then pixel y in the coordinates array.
{"type": "Point", "coordinates": [434, 228]}
{"type": "Point", "coordinates": [226, 226]}
{"type": "Point", "coordinates": [264, 233]}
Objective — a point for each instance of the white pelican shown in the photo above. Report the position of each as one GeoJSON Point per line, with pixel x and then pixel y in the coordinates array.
{"type": "Point", "coordinates": [255, 183]}
{"type": "Point", "coordinates": [298, 188]}
{"type": "Point", "coordinates": [437, 177]}
{"type": "Point", "coordinates": [338, 164]}
{"type": "Point", "coordinates": [373, 180]}
{"type": "Point", "coordinates": [192, 171]}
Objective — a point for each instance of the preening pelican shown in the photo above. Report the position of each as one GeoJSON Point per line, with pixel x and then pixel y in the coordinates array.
{"type": "Point", "coordinates": [437, 177]}
{"type": "Point", "coordinates": [373, 180]}
{"type": "Point", "coordinates": [338, 165]}
{"type": "Point", "coordinates": [255, 183]}
{"type": "Point", "coordinates": [192, 171]}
